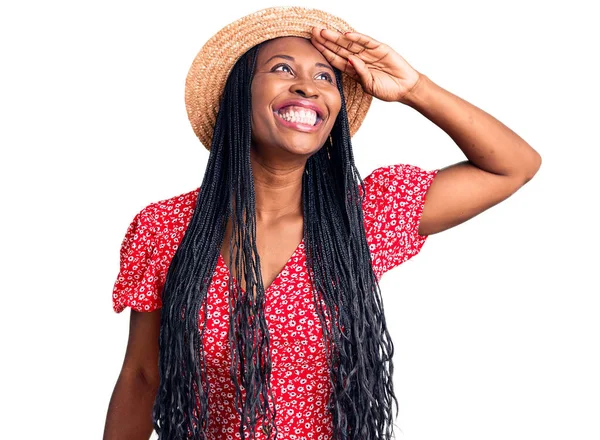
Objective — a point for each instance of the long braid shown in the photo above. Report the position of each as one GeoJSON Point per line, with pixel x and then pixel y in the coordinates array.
{"type": "Point", "coordinates": [181, 407]}
{"type": "Point", "coordinates": [360, 346]}
{"type": "Point", "coordinates": [251, 361]}
{"type": "Point", "coordinates": [338, 260]}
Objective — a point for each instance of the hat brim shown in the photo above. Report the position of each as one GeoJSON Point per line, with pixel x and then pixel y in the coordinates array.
{"type": "Point", "coordinates": [211, 67]}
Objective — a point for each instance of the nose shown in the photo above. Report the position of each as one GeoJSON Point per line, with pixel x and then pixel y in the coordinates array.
{"type": "Point", "coordinates": [306, 88]}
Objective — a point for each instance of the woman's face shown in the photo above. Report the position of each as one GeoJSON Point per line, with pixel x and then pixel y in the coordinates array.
{"type": "Point", "coordinates": [295, 99]}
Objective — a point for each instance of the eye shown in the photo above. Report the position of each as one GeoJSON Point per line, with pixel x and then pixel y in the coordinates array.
{"type": "Point", "coordinates": [281, 65]}
{"type": "Point", "coordinates": [330, 79]}
{"type": "Point", "coordinates": [275, 69]}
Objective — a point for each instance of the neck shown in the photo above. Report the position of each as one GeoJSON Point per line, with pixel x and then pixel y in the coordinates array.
{"type": "Point", "coordinates": [278, 188]}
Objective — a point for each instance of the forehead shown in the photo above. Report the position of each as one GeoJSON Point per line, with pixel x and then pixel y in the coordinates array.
{"type": "Point", "coordinates": [300, 48]}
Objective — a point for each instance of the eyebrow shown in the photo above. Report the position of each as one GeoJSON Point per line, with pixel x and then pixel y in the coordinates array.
{"type": "Point", "coordinates": [287, 57]}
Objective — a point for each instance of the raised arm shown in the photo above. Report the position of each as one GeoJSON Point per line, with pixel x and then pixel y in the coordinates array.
{"type": "Point", "coordinates": [499, 162]}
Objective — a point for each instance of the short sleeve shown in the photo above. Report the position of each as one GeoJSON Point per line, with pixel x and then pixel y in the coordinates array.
{"type": "Point", "coordinates": [394, 200]}
{"type": "Point", "coordinates": [138, 283]}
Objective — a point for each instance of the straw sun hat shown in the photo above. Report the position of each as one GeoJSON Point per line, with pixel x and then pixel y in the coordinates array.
{"type": "Point", "coordinates": [209, 71]}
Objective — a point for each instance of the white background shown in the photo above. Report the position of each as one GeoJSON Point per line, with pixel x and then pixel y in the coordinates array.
{"type": "Point", "coordinates": [495, 322]}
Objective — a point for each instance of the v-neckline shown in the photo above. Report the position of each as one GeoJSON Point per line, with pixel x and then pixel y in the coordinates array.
{"type": "Point", "coordinates": [277, 278]}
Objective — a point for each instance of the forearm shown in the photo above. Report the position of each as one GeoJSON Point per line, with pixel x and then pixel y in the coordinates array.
{"type": "Point", "coordinates": [130, 410]}
{"type": "Point", "coordinates": [485, 141]}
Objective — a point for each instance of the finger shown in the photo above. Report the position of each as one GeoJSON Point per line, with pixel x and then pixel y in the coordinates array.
{"type": "Point", "coordinates": [336, 61]}
{"type": "Point", "coordinates": [362, 40]}
{"type": "Point", "coordinates": [351, 39]}
{"type": "Point", "coordinates": [331, 36]}
{"type": "Point", "coordinates": [339, 50]}
{"type": "Point", "coordinates": [362, 71]}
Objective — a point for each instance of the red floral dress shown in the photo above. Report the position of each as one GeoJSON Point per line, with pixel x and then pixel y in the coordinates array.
{"type": "Point", "coordinates": [395, 196]}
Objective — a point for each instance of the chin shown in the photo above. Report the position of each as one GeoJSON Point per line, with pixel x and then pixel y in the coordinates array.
{"type": "Point", "coordinates": [301, 146]}
{"type": "Point", "coordinates": [304, 144]}
{"type": "Point", "coordinates": [301, 149]}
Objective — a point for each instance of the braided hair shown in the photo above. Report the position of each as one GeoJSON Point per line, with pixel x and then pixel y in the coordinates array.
{"type": "Point", "coordinates": [345, 288]}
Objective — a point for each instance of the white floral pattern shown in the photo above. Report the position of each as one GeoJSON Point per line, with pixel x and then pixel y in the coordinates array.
{"type": "Point", "coordinates": [395, 196]}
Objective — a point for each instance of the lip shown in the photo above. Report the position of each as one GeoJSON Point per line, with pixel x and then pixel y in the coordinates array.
{"type": "Point", "coordinates": [301, 103]}
{"type": "Point", "coordinates": [298, 126]}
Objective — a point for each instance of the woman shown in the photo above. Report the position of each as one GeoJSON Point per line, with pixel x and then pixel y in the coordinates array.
{"type": "Point", "coordinates": [291, 342]}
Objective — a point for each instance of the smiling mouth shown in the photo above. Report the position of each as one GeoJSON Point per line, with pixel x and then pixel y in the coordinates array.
{"type": "Point", "coordinates": [295, 123]}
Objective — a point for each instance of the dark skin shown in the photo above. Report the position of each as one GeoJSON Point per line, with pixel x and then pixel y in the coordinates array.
{"type": "Point", "coordinates": [130, 409]}
{"type": "Point", "coordinates": [499, 162]}
{"type": "Point", "coordinates": [278, 156]}
{"type": "Point", "coordinates": [279, 153]}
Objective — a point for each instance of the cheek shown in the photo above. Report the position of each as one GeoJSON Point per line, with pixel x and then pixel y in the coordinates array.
{"type": "Point", "coordinates": [335, 104]}
{"type": "Point", "coordinates": [260, 104]}
{"type": "Point", "coordinates": [259, 120]}
{"type": "Point", "coordinates": [335, 111]}
{"type": "Point", "coordinates": [256, 106]}
{"type": "Point", "coordinates": [259, 116]}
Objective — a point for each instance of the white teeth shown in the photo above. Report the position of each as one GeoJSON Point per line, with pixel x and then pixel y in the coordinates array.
{"type": "Point", "coordinates": [307, 117]}
{"type": "Point", "coordinates": [299, 115]}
